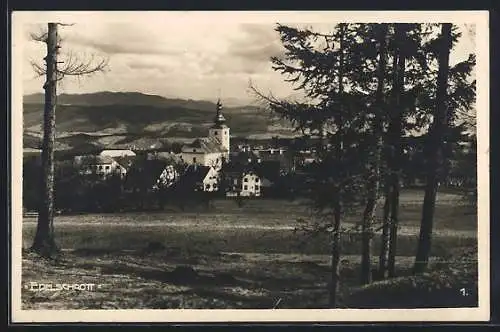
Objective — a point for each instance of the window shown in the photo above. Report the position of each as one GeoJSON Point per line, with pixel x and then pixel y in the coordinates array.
{"type": "Point", "coordinates": [207, 186]}
{"type": "Point", "coordinates": [107, 167]}
{"type": "Point", "coordinates": [100, 167]}
{"type": "Point", "coordinates": [215, 132]}
{"type": "Point", "coordinates": [245, 187]}
{"type": "Point", "coordinates": [257, 180]}
{"type": "Point", "coordinates": [194, 160]}
{"type": "Point", "coordinates": [245, 180]}
{"type": "Point", "coordinates": [256, 187]}
{"type": "Point", "coordinates": [194, 150]}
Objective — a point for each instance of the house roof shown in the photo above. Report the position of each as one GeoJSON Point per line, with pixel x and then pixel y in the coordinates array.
{"type": "Point", "coordinates": [193, 175]}
{"type": "Point", "coordinates": [169, 158]}
{"type": "Point", "coordinates": [205, 145]}
{"type": "Point", "coordinates": [145, 173]}
{"type": "Point", "coordinates": [96, 160]}
{"type": "Point", "coordinates": [117, 152]}
{"type": "Point", "coordinates": [238, 168]}
{"type": "Point", "coordinates": [196, 172]}
{"type": "Point", "coordinates": [125, 161]}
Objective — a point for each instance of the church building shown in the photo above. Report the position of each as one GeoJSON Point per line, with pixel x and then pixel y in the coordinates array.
{"type": "Point", "coordinates": [212, 150]}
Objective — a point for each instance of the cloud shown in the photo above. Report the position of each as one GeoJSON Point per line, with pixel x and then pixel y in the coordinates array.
{"type": "Point", "coordinates": [249, 51]}
{"type": "Point", "coordinates": [120, 38]}
{"type": "Point", "coordinates": [179, 58]}
{"type": "Point", "coordinates": [258, 43]}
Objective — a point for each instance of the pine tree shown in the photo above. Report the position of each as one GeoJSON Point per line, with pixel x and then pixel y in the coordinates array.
{"type": "Point", "coordinates": [454, 95]}
{"type": "Point", "coordinates": [374, 177]}
{"type": "Point", "coordinates": [333, 70]}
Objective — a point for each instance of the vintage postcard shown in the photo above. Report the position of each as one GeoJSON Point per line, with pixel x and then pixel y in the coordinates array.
{"type": "Point", "coordinates": [313, 166]}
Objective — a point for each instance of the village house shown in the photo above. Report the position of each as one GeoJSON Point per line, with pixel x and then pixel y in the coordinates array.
{"type": "Point", "coordinates": [200, 178]}
{"type": "Point", "coordinates": [151, 175]}
{"type": "Point", "coordinates": [241, 180]}
{"type": "Point", "coordinates": [125, 162]}
{"type": "Point", "coordinates": [102, 166]}
{"type": "Point", "coordinates": [250, 184]}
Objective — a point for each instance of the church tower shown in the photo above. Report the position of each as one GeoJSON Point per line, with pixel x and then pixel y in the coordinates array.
{"type": "Point", "coordinates": [220, 130]}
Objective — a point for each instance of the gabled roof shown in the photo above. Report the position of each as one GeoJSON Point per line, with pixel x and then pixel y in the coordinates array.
{"type": "Point", "coordinates": [238, 168]}
{"type": "Point", "coordinates": [145, 173]}
{"type": "Point", "coordinates": [169, 158]}
{"type": "Point", "coordinates": [205, 145]}
{"type": "Point", "coordinates": [117, 152]}
{"type": "Point", "coordinates": [125, 161]}
{"type": "Point", "coordinates": [193, 176]}
{"type": "Point", "coordinates": [96, 160]}
{"type": "Point", "coordinates": [196, 173]}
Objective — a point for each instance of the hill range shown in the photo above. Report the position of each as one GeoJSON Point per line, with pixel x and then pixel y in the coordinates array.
{"type": "Point", "coordinates": [126, 119]}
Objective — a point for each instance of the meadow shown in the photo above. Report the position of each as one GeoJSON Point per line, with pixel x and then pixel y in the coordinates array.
{"type": "Point", "coordinates": [230, 256]}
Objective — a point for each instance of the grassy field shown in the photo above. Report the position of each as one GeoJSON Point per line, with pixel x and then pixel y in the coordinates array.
{"type": "Point", "coordinates": [226, 257]}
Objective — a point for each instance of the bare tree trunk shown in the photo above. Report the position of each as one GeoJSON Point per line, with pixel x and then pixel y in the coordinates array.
{"type": "Point", "coordinates": [44, 242]}
{"type": "Point", "coordinates": [396, 133]}
{"type": "Point", "coordinates": [434, 147]}
{"type": "Point", "coordinates": [336, 247]}
{"type": "Point", "coordinates": [385, 239]}
{"type": "Point", "coordinates": [388, 238]}
{"type": "Point", "coordinates": [393, 229]}
{"type": "Point", "coordinates": [374, 182]}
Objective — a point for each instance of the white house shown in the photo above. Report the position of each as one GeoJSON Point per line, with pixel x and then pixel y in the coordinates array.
{"type": "Point", "coordinates": [201, 178]}
{"type": "Point", "coordinates": [117, 153]}
{"type": "Point", "coordinates": [99, 165]}
{"type": "Point", "coordinates": [250, 184]}
{"type": "Point", "coordinates": [243, 182]}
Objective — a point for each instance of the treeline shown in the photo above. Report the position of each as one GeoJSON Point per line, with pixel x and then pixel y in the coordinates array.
{"type": "Point", "coordinates": [368, 87]}
{"type": "Point", "coordinates": [91, 193]}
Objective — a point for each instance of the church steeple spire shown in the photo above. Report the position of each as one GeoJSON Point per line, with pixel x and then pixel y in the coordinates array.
{"type": "Point", "coordinates": [220, 131]}
{"type": "Point", "coordinates": [219, 118]}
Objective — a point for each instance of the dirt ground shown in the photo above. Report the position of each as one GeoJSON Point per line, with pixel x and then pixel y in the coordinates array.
{"type": "Point", "coordinates": [238, 258]}
{"type": "Point", "coordinates": [169, 279]}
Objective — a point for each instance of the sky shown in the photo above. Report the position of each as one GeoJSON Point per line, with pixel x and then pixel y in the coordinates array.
{"type": "Point", "coordinates": [202, 56]}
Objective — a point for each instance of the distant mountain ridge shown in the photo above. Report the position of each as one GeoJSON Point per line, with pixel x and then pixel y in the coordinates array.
{"type": "Point", "coordinates": [107, 98]}
{"type": "Point", "coordinates": [109, 119]}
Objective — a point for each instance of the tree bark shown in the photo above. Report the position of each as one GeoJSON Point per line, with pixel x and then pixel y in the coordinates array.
{"type": "Point", "coordinates": [374, 181]}
{"type": "Point", "coordinates": [393, 229]}
{"type": "Point", "coordinates": [396, 133]}
{"type": "Point", "coordinates": [44, 242]}
{"type": "Point", "coordinates": [336, 239]}
{"type": "Point", "coordinates": [435, 146]}
{"type": "Point", "coordinates": [385, 238]}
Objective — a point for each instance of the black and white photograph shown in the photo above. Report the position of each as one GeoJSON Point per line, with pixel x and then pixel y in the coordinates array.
{"type": "Point", "coordinates": [259, 161]}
